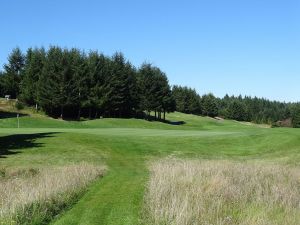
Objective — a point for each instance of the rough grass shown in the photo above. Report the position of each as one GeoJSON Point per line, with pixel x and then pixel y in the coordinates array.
{"type": "Point", "coordinates": [183, 192]}
{"type": "Point", "coordinates": [34, 196]}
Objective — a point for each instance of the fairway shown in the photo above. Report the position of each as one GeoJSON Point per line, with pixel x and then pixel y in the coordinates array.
{"type": "Point", "coordinates": [121, 132]}
{"type": "Point", "coordinates": [126, 147]}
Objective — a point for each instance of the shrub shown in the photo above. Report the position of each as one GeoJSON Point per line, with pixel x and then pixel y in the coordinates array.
{"type": "Point", "coordinates": [19, 105]}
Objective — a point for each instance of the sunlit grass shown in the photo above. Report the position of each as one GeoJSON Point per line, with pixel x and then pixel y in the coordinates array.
{"type": "Point", "coordinates": [126, 146]}
{"type": "Point", "coordinates": [185, 192]}
{"type": "Point", "coordinates": [29, 195]}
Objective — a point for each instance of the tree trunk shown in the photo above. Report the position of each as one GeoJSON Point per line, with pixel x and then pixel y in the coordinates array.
{"type": "Point", "coordinates": [90, 112]}
{"type": "Point", "coordinates": [79, 113]}
{"type": "Point", "coordinates": [62, 112]}
{"type": "Point", "coordinates": [155, 114]}
{"type": "Point", "coordinates": [164, 115]}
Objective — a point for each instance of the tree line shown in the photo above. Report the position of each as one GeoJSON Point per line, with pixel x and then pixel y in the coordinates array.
{"type": "Point", "coordinates": [70, 83]}
{"type": "Point", "coordinates": [252, 109]}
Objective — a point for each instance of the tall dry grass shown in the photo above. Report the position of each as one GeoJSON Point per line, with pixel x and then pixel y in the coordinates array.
{"type": "Point", "coordinates": [29, 193]}
{"type": "Point", "coordinates": [184, 192]}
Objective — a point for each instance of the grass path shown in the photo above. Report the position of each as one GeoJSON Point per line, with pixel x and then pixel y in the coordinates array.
{"type": "Point", "coordinates": [117, 198]}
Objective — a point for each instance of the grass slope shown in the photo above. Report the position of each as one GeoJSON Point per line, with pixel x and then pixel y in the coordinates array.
{"type": "Point", "coordinates": [126, 146]}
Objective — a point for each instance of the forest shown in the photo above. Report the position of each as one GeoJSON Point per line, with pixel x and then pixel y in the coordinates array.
{"type": "Point", "coordinates": [71, 84]}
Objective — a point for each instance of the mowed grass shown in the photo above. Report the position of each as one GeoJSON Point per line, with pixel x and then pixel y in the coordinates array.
{"type": "Point", "coordinates": [126, 146]}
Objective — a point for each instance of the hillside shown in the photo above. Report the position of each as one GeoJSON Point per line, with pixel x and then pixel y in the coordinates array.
{"type": "Point", "coordinates": [126, 147]}
{"type": "Point", "coordinates": [29, 118]}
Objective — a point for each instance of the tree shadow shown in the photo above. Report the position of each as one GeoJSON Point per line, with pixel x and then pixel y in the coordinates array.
{"type": "Point", "coordinates": [6, 115]}
{"type": "Point", "coordinates": [175, 122]}
{"type": "Point", "coordinates": [14, 144]}
{"type": "Point", "coordinates": [153, 118]}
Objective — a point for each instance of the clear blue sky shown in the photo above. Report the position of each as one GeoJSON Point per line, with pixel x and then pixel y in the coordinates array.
{"type": "Point", "coordinates": [248, 47]}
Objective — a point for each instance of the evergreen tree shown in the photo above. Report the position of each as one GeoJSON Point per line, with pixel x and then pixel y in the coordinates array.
{"type": "Point", "coordinates": [296, 116]}
{"type": "Point", "coordinates": [98, 71]}
{"type": "Point", "coordinates": [169, 104]}
{"type": "Point", "coordinates": [34, 63]}
{"type": "Point", "coordinates": [13, 73]}
{"type": "Point", "coordinates": [51, 91]}
{"type": "Point", "coordinates": [155, 91]}
{"type": "Point", "coordinates": [163, 95]}
{"type": "Point", "coordinates": [68, 83]}
{"type": "Point", "coordinates": [1, 84]}
{"type": "Point", "coordinates": [237, 111]}
{"type": "Point", "coordinates": [122, 86]}
{"type": "Point", "coordinates": [187, 100]}
{"type": "Point", "coordinates": [79, 80]}
{"type": "Point", "coordinates": [209, 105]}
{"type": "Point", "coordinates": [148, 88]}
{"type": "Point", "coordinates": [180, 96]}
{"type": "Point", "coordinates": [193, 102]}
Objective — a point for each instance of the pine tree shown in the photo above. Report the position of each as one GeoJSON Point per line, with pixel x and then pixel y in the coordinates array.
{"type": "Point", "coordinates": [99, 68]}
{"type": "Point", "coordinates": [13, 73]}
{"type": "Point", "coordinates": [296, 115]}
{"type": "Point", "coordinates": [34, 63]}
{"type": "Point", "coordinates": [147, 101]}
{"type": "Point", "coordinates": [187, 100]}
{"type": "Point", "coordinates": [122, 85]}
{"type": "Point", "coordinates": [1, 84]}
{"type": "Point", "coordinates": [51, 84]}
{"type": "Point", "coordinates": [67, 75]}
{"type": "Point", "coordinates": [154, 87]}
{"type": "Point", "coordinates": [78, 81]}
{"type": "Point", "coordinates": [163, 95]}
{"type": "Point", "coordinates": [169, 104]}
{"type": "Point", "coordinates": [209, 105]}
{"type": "Point", "coordinates": [237, 111]}
{"type": "Point", "coordinates": [179, 94]}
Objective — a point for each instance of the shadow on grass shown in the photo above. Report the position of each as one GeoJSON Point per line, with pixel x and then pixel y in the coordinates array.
{"type": "Point", "coordinates": [14, 144]}
{"type": "Point", "coordinates": [175, 122]}
{"type": "Point", "coordinates": [6, 115]}
{"type": "Point", "coordinates": [152, 118]}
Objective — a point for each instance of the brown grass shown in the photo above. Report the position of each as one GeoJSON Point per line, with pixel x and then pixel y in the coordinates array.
{"type": "Point", "coordinates": [22, 187]}
{"type": "Point", "coordinates": [183, 192]}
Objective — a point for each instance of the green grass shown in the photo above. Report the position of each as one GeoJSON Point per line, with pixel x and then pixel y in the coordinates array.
{"type": "Point", "coordinates": [126, 146]}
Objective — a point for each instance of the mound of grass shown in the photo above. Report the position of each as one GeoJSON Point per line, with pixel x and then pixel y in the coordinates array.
{"type": "Point", "coordinates": [176, 121]}
{"type": "Point", "coordinates": [183, 192]}
{"type": "Point", "coordinates": [35, 196]}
